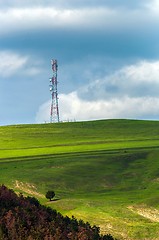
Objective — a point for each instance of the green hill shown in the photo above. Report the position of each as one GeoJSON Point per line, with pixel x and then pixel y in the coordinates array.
{"type": "Point", "coordinates": [105, 172]}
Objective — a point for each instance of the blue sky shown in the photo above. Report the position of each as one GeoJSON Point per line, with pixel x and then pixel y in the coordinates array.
{"type": "Point", "coordinates": [107, 51]}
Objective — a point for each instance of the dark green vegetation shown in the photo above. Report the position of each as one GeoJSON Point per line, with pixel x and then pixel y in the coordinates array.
{"type": "Point", "coordinates": [24, 218]}
{"type": "Point", "coordinates": [50, 195]}
{"type": "Point", "coordinates": [105, 172]}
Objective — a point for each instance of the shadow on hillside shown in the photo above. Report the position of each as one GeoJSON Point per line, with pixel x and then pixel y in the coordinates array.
{"type": "Point", "coordinates": [53, 200]}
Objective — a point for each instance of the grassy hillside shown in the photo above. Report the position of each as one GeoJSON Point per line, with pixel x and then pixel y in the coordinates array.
{"type": "Point", "coordinates": [105, 172]}
{"type": "Point", "coordinates": [24, 218]}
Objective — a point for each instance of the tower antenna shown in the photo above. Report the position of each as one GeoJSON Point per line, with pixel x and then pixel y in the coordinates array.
{"type": "Point", "coordinates": [54, 113]}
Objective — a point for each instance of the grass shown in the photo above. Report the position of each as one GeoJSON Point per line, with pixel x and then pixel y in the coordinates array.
{"type": "Point", "coordinates": [98, 169]}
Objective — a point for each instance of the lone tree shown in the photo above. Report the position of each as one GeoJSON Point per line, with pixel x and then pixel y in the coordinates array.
{"type": "Point", "coordinates": [50, 195]}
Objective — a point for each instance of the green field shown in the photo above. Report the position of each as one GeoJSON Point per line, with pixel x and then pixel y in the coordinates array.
{"type": "Point", "coordinates": [105, 172]}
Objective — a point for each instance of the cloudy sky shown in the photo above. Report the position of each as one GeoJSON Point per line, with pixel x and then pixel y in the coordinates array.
{"type": "Point", "coordinates": [107, 52]}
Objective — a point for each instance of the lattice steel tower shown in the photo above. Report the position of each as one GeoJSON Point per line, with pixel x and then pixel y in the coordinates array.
{"type": "Point", "coordinates": [54, 113]}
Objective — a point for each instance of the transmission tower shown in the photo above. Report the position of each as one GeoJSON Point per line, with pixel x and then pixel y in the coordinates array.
{"type": "Point", "coordinates": [54, 114]}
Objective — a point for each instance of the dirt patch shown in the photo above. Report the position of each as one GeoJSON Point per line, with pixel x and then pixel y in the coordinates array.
{"type": "Point", "coordinates": [27, 188]}
{"type": "Point", "coordinates": [147, 212]}
{"type": "Point", "coordinates": [156, 180]}
{"type": "Point", "coordinates": [57, 167]}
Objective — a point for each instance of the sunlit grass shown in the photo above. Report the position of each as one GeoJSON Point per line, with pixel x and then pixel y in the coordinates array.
{"type": "Point", "coordinates": [97, 170]}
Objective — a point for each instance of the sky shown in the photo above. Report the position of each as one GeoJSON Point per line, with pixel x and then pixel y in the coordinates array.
{"type": "Point", "coordinates": [107, 53]}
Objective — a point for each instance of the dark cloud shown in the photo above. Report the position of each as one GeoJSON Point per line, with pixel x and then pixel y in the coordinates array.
{"type": "Point", "coordinates": [73, 45]}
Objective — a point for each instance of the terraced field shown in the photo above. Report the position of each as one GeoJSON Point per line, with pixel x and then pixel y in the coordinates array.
{"type": "Point", "coordinates": [105, 172]}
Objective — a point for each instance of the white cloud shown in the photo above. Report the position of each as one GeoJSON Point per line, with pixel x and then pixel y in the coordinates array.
{"type": "Point", "coordinates": [139, 80]}
{"type": "Point", "coordinates": [93, 18]}
{"type": "Point", "coordinates": [32, 18]}
{"type": "Point", "coordinates": [11, 63]}
{"type": "Point", "coordinates": [43, 114]}
{"type": "Point", "coordinates": [74, 108]}
{"type": "Point", "coordinates": [144, 71]}
{"type": "Point", "coordinates": [153, 6]}
{"type": "Point", "coordinates": [131, 92]}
